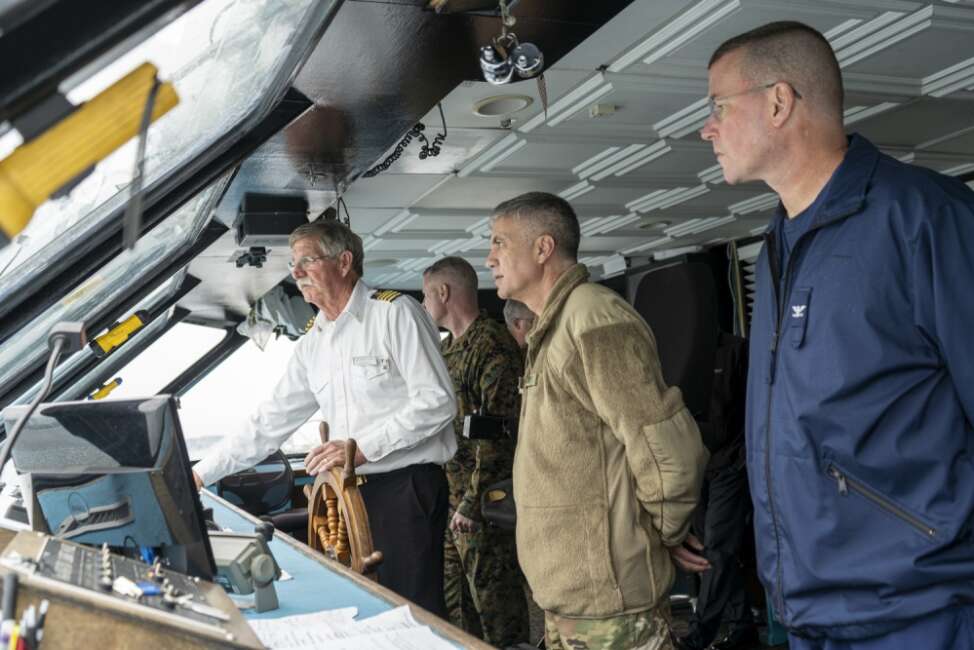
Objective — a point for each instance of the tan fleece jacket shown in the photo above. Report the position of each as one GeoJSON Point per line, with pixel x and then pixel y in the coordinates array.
{"type": "Point", "coordinates": [609, 461]}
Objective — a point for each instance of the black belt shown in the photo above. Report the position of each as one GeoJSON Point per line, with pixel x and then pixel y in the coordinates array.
{"type": "Point", "coordinates": [397, 473]}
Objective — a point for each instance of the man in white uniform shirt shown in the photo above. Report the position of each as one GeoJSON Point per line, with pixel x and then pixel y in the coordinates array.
{"type": "Point", "coordinates": [372, 364]}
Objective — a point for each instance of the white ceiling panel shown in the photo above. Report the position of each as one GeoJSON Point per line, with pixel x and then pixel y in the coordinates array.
{"type": "Point", "coordinates": [909, 76]}
{"type": "Point", "coordinates": [391, 190]}
{"type": "Point", "coordinates": [943, 44]}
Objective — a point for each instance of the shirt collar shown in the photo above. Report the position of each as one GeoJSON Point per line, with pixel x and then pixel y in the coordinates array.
{"type": "Point", "coordinates": [355, 305]}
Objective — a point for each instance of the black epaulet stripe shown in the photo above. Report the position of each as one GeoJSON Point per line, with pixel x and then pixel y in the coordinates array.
{"type": "Point", "coordinates": [386, 295]}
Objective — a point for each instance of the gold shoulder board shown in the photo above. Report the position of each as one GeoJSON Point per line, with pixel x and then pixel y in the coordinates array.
{"type": "Point", "coordinates": [388, 295]}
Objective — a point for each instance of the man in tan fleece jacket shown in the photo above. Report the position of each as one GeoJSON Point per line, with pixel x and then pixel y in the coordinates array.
{"type": "Point", "coordinates": [609, 462]}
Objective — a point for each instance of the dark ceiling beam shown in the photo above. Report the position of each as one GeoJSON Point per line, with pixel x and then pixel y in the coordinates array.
{"type": "Point", "coordinates": [362, 111]}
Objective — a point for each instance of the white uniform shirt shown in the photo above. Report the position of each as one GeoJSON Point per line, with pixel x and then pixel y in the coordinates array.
{"type": "Point", "coordinates": [376, 373]}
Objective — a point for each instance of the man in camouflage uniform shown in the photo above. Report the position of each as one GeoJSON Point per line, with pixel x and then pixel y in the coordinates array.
{"type": "Point", "coordinates": [483, 583]}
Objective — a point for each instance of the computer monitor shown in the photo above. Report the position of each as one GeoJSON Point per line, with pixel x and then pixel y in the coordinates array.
{"type": "Point", "coordinates": [115, 472]}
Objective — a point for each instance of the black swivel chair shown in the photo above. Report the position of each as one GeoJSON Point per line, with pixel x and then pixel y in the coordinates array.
{"type": "Point", "coordinates": [265, 491]}
{"type": "Point", "coordinates": [679, 302]}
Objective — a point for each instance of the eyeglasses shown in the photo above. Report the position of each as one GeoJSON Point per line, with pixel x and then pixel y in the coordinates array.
{"type": "Point", "coordinates": [307, 261]}
{"type": "Point", "coordinates": [717, 109]}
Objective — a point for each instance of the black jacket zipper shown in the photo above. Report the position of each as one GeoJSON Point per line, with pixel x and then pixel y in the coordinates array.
{"type": "Point", "coordinates": [774, 265]}
{"type": "Point", "coordinates": [779, 286]}
{"type": "Point", "coordinates": [845, 484]}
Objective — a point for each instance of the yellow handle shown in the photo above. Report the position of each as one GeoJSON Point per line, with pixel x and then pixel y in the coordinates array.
{"type": "Point", "coordinates": [42, 166]}
{"type": "Point", "coordinates": [119, 334]}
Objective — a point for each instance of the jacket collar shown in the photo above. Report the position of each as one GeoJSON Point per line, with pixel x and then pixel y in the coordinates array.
{"type": "Point", "coordinates": [847, 187]}
{"type": "Point", "coordinates": [563, 288]}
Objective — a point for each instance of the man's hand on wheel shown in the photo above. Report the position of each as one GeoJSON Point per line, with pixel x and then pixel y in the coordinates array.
{"type": "Point", "coordinates": [331, 454]}
{"type": "Point", "coordinates": [197, 480]}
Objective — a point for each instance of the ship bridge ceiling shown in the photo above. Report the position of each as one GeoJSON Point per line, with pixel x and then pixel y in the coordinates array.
{"type": "Point", "coordinates": [620, 137]}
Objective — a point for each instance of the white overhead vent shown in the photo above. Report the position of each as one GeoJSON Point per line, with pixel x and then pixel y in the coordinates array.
{"type": "Point", "coordinates": [858, 113]}
{"type": "Point", "coordinates": [581, 168]}
{"type": "Point", "coordinates": [392, 278]}
{"type": "Point", "coordinates": [602, 225]}
{"type": "Point", "coordinates": [493, 155]}
{"type": "Point", "coordinates": [613, 265]}
{"type": "Point", "coordinates": [841, 29]}
{"type": "Point", "coordinates": [676, 252]}
{"type": "Point", "coordinates": [755, 204]}
{"type": "Point", "coordinates": [417, 263]}
{"type": "Point", "coordinates": [713, 175]}
{"type": "Point", "coordinates": [694, 226]}
{"type": "Point", "coordinates": [679, 31]}
{"type": "Point", "coordinates": [586, 93]}
{"type": "Point", "coordinates": [601, 161]}
{"type": "Point", "coordinates": [661, 241]}
{"type": "Point", "coordinates": [384, 278]}
{"type": "Point", "coordinates": [949, 80]}
{"type": "Point", "coordinates": [504, 155]}
{"type": "Point", "coordinates": [635, 160]}
{"type": "Point", "coordinates": [452, 246]}
{"type": "Point", "coordinates": [684, 121]}
{"type": "Point", "coordinates": [881, 32]}
{"type": "Point", "coordinates": [480, 228]}
{"type": "Point", "coordinates": [369, 242]}
{"type": "Point", "coordinates": [395, 224]}
{"type": "Point", "coordinates": [662, 199]}
{"type": "Point", "coordinates": [959, 169]}
{"type": "Point", "coordinates": [576, 190]}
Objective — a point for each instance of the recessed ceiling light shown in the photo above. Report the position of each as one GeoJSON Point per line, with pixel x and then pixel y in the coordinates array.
{"type": "Point", "coordinates": [381, 262]}
{"type": "Point", "coordinates": [501, 105]}
{"type": "Point", "coordinates": [658, 225]}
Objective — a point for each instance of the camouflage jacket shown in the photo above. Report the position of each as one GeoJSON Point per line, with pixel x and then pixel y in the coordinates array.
{"type": "Point", "coordinates": [485, 365]}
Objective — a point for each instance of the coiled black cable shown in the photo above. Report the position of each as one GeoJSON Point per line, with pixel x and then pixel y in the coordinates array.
{"type": "Point", "coordinates": [427, 150]}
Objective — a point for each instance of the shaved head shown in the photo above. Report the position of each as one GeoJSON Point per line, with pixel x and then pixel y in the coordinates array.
{"type": "Point", "coordinates": [456, 272]}
{"type": "Point", "coordinates": [792, 52]}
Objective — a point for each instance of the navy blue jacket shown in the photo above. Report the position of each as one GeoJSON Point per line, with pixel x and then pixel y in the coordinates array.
{"type": "Point", "coordinates": [861, 402]}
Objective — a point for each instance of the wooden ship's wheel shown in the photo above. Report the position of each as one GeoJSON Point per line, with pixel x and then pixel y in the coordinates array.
{"type": "Point", "coordinates": [338, 525]}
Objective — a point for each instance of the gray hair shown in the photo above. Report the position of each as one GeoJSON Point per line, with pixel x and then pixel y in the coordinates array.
{"type": "Point", "coordinates": [793, 52]}
{"type": "Point", "coordinates": [458, 271]}
{"type": "Point", "coordinates": [334, 238]}
{"type": "Point", "coordinates": [546, 214]}
{"type": "Point", "coordinates": [517, 310]}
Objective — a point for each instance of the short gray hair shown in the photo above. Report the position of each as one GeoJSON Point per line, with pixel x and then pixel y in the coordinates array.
{"type": "Point", "coordinates": [547, 214]}
{"type": "Point", "coordinates": [793, 52]}
{"type": "Point", "coordinates": [517, 310]}
{"type": "Point", "coordinates": [460, 272]}
{"type": "Point", "coordinates": [334, 238]}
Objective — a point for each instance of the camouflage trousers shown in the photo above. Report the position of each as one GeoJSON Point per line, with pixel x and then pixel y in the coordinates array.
{"type": "Point", "coordinates": [649, 630]}
{"type": "Point", "coordinates": [484, 587]}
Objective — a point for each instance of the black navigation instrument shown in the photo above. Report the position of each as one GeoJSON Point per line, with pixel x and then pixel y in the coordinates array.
{"type": "Point", "coordinates": [115, 473]}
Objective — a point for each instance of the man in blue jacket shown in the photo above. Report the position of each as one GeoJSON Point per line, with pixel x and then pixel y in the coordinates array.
{"type": "Point", "coordinates": [861, 388]}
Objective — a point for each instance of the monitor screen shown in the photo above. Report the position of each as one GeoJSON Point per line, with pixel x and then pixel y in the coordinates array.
{"type": "Point", "coordinates": [115, 472]}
